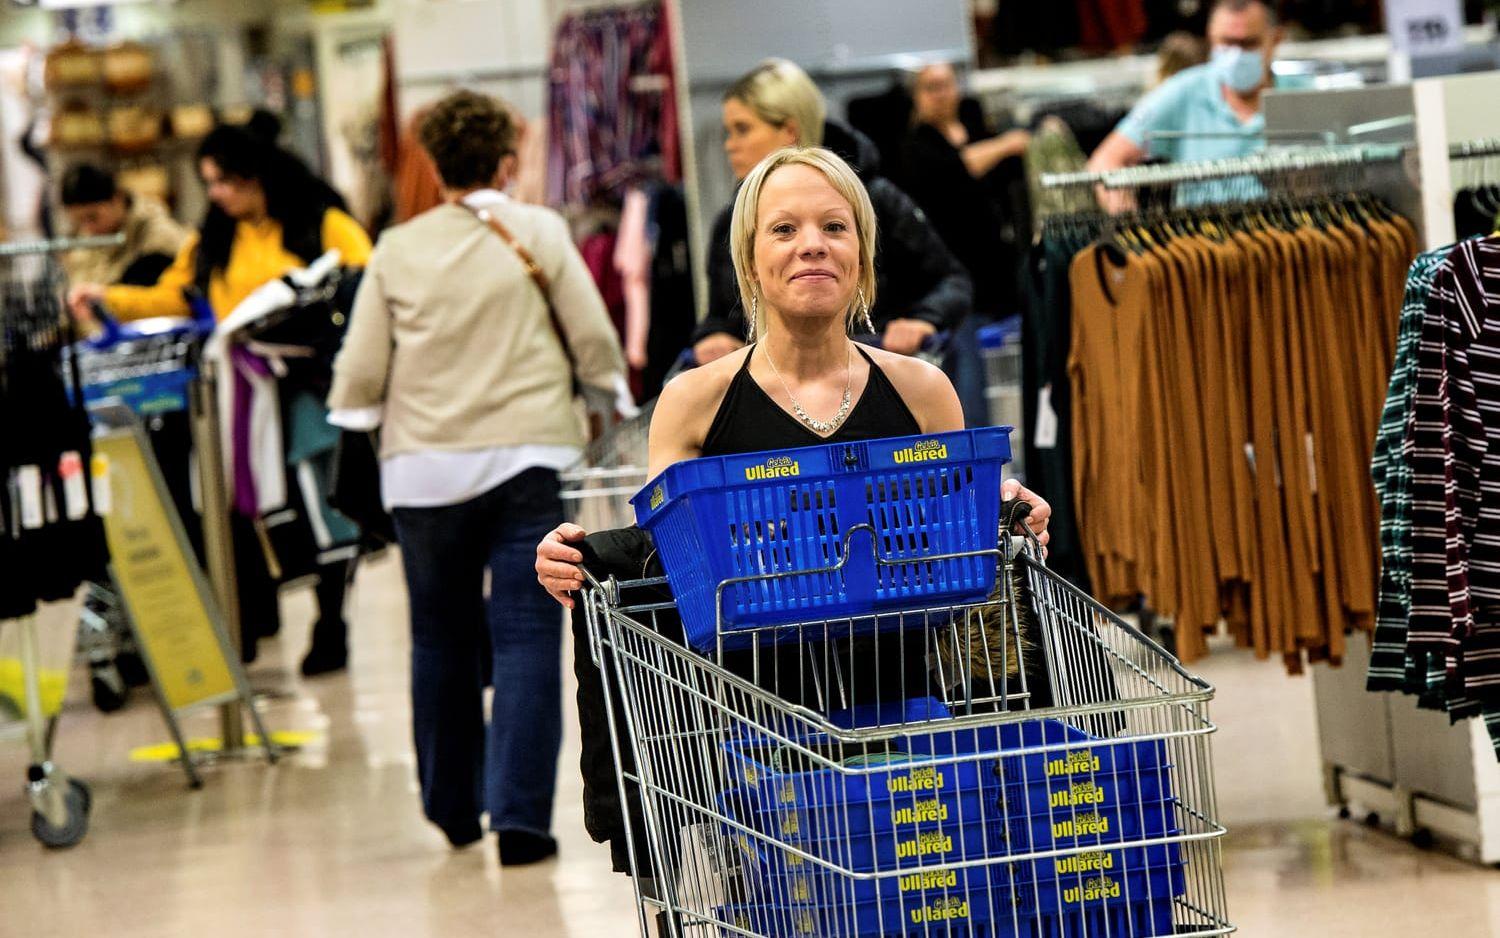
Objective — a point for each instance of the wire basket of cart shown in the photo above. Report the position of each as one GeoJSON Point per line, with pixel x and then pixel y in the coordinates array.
{"type": "Point", "coordinates": [1010, 760]}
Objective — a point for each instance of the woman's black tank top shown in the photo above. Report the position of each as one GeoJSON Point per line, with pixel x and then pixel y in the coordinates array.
{"type": "Point", "coordinates": [749, 421]}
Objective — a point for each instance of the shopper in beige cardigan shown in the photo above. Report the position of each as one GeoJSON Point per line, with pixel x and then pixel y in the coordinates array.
{"type": "Point", "coordinates": [96, 205]}
{"type": "Point", "coordinates": [452, 350]}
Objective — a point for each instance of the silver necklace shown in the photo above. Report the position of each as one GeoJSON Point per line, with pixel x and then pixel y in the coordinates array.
{"type": "Point", "coordinates": [820, 427]}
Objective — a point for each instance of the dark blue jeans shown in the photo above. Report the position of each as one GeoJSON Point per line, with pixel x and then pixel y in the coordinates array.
{"type": "Point", "coordinates": [510, 770]}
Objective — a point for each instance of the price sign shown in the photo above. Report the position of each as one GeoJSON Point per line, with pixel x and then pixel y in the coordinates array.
{"type": "Point", "coordinates": [1425, 27]}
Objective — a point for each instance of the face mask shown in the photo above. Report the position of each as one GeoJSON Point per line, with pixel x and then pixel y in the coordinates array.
{"type": "Point", "coordinates": [1239, 68]}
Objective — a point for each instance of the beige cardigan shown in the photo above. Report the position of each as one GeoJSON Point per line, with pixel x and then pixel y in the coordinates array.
{"type": "Point", "coordinates": [451, 337]}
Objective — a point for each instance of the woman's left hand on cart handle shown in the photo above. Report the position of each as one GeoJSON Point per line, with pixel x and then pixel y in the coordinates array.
{"type": "Point", "coordinates": [557, 563]}
{"type": "Point", "coordinates": [1041, 512]}
{"type": "Point", "coordinates": [81, 300]}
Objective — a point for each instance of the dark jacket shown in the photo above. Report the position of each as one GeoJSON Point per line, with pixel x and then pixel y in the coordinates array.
{"type": "Point", "coordinates": [916, 275]}
{"type": "Point", "coordinates": [983, 221]}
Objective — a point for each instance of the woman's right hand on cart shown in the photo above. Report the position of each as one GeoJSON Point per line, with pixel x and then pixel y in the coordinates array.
{"type": "Point", "coordinates": [557, 563]}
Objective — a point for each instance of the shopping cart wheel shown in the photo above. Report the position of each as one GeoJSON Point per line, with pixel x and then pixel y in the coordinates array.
{"type": "Point", "coordinates": [108, 689]}
{"type": "Point", "coordinates": [84, 792]}
{"type": "Point", "coordinates": [132, 669]}
{"type": "Point", "coordinates": [71, 831]}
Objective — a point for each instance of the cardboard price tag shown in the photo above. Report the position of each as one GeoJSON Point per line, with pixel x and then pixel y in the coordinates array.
{"type": "Point", "coordinates": [1425, 27]}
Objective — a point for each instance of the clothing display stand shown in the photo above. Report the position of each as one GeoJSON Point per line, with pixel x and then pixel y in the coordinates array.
{"type": "Point", "coordinates": [179, 627]}
{"type": "Point", "coordinates": [1384, 759]}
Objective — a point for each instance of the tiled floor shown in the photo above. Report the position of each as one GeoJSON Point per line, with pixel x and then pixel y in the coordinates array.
{"type": "Point", "coordinates": [332, 843]}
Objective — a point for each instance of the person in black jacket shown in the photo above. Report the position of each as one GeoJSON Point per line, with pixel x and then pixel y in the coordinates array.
{"type": "Point", "coordinates": [921, 288]}
{"type": "Point", "coordinates": [971, 184]}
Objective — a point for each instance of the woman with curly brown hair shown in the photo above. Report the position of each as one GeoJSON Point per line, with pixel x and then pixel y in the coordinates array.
{"type": "Point", "coordinates": [473, 323]}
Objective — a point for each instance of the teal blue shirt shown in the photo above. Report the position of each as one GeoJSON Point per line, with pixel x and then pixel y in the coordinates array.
{"type": "Point", "coordinates": [1192, 102]}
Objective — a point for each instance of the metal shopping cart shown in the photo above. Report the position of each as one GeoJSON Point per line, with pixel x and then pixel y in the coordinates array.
{"type": "Point", "coordinates": [1029, 765]}
{"type": "Point", "coordinates": [597, 491]}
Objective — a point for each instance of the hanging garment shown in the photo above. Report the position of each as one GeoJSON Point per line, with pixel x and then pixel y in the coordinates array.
{"type": "Point", "coordinates": [673, 318]}
{"type": "Point", "coordinates": [1456, 470]}
{"type": "Point", "coordinates": [612, 108]}
{"type": "Point", "coordinates": [632, 262]}
{"type": "Point", "coordinates": [1110, 25]}
{"type": "Point", "coordinates": [1046, 328]}
{"type": "Point", "coordinates": [1219, 450]}
{"type": "Point", "coordinates": [417, 186]}
{"type": "Point", "coordinates": [1439, 622]}
{"type": "Point", "coordinates": [51, 539]}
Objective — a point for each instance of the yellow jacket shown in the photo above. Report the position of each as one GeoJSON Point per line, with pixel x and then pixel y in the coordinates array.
{"type": "Point", "coordinates": [256, 258]}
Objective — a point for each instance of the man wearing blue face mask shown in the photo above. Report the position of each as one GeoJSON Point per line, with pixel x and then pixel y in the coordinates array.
{"type": "Point", "coordinates": [1211, 111]}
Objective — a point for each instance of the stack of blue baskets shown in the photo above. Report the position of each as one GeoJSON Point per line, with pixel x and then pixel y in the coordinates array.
{"type": "Point", "coordinates": [910, 808]}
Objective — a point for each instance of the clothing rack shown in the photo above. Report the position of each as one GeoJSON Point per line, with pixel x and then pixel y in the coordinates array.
{"type": "Point", "coordinates": [1270, 163]}
{"type": "Point", "coordinates": [1475, 149]}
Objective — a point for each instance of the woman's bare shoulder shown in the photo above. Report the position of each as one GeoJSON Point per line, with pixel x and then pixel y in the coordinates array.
{"type": "Point", "coordinates": [924, 387]}
{"type": "Point", "coordinates": [691, 399]}
{"type": "Point", "coordinates": [908, 374]}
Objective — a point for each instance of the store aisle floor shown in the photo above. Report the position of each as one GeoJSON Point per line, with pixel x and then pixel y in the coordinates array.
{"type": "Point", "coordinates": [332, 842]}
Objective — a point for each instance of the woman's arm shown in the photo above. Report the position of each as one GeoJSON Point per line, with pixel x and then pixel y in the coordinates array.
{"type": "Point", "coordinates": [685, 412]}
{"type": "Point", "coordinates": [930, 396]}
{"type": "Point", "coordinates": [363, 364]}
{"type": "Point", "coordinates": [164, 298]}
{"type": "Point", "coordinates": [984, 155]}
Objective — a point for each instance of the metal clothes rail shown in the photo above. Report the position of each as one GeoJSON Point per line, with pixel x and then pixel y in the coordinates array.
{"type": "Point", "coordinates": [59, 245]}
{"type": "Point", "coordinates": [1269, 163]}
{"type": "Point", "coordinates": [1475, 149]}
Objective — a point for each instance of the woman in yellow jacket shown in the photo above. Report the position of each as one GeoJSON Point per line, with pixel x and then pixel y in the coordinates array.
{"type": "Point", "coordinates": [268, 215]}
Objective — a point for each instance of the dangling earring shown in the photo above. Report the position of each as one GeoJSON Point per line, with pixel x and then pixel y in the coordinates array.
{"type": "Point", "coordinates": [754, 316]}
{"type": "Point", "coordinates": [864, 312]}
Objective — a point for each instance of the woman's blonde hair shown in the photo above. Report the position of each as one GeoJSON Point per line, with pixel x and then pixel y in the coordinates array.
{"type": "Point", "coordinates": [779, 92]}
{"type": "Point", "coordinates": [742, 224]}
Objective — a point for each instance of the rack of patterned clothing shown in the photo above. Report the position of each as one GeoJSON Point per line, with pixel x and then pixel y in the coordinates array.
{"type": "Point", "coordinates": [615, 167]}
{"type": "Point", "coordinates": [1436, 466]}
{"type": "Point", "coordinates": [1220, 353]}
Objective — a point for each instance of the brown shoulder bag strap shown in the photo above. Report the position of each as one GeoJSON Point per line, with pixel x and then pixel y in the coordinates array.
{"type": "Point", "coordinates": [538, 276]}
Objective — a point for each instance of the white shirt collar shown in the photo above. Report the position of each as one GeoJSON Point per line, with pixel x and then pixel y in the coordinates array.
{"type": "Point", "coordinates": [484, 198]}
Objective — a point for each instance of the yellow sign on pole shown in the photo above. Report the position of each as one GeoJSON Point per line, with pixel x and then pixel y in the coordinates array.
{"type": "Point", "coordinates": [156, 576]}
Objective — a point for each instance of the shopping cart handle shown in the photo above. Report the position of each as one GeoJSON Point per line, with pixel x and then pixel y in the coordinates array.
{"type": "Point", "coordinates": [1013, 515]}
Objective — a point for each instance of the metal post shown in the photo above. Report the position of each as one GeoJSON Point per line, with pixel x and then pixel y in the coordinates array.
{"type": "Point", "coordinates": [31, 666]}
{"type": "Point", "coordinates": [218, 543]}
